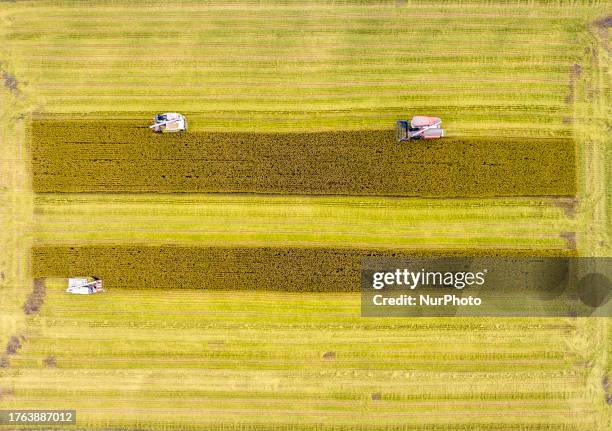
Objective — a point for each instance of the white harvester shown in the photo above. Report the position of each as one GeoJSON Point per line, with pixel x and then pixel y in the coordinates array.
{"type": "Point", "coordinates": [84, 285]}
{"type": "Point", "coordinates": [419, 127]}
{"type": "Point", "coordinates": [169, 122]}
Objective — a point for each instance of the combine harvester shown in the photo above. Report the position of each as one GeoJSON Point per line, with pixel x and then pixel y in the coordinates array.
{"type": "Point", "coordinates": [419, 127]}
{"type": "Point", "coordinates": [84, 285]}
{"type": "Point", "coordinates": [169, 122]}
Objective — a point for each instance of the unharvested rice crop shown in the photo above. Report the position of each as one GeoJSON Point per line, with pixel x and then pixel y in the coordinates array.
{"type": "Point", "coordinates": [219, 268]}
{"type": "Point", "coordinates": [96, 156]}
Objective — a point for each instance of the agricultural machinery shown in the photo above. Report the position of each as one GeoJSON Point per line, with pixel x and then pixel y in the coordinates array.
{"type": "Point", "coordinates": [84, 285]}
{"type": "Point", "coordinates": [419, 127]}
{"type": "Point", "coordinates": [169, 122]}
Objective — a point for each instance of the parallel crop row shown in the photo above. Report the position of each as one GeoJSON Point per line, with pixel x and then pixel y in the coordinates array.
{"type": "Point", "coordinates": [218, 268]}
{"type": "Point", "coordinates": [92, 156]}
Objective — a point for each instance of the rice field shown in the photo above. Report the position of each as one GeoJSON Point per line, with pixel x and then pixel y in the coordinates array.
{"type": "Point", "coordinates": [167, 359]}
{"type": "Point", "coordinates": [489, 69]}
{"type": "Point", "coordinates": [224, 268]}
{"type": "Point", "coordinates": [303, 221]}
{"type": "Point", "coordinates": [89, 156]}
{"type": "Point", "coordinates": [522, 75]}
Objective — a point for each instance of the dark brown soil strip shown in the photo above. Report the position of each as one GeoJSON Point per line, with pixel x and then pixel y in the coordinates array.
{"type": "Point", "coordinates": [31, 306]}
{"type": "Point", "coordinates": [12, 347]}
{"type": "Point", "coordinates": [605, 383]}
{"type": "Point", "coordinates": [569, 205]}
{"type": "Point", "coordinates": [575, 72]}
{"type": "Point", "coordinates": [214, 268]}
{"type": "Point", "coordinates": [604, 22]}
{"type": "Point", "coordinates": [36, 298]}
{"type": "Point", "coordinates": [570, 239]}
{"type": "Point", "coordinates": [92, 156]}
{"type": "Point", "coordinates": [10, 82]}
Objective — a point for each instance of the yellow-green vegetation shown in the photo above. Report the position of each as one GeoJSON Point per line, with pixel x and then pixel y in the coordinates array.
{"type": "Point", "coordinates": [264, 360]}
{"type": "Point", "coordinates": [87, 156]}
{"type": "Point", "coordinates": [324, 221]}
{"type": "Point", "coordinates": [167, 359]}
{"type": "Point", "coordinates": [486, 69]}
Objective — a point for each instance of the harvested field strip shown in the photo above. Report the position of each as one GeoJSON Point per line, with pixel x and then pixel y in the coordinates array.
{"type": "Point", "coordinates": [263, 357]}
{"type": "Point", "coordinates": [98, 156]}
{"type": "Point", "coordinates": [218, 268]}
{"type": "Point", "coordinates": [310, 221]}
{"type": "Point", "coordinates": [300, 65]}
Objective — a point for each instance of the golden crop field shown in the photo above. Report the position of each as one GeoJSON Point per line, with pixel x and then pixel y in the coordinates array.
{"type": "Point", "coordinates": [523, 89]}
{"type": "Point", "coordinates": [76, 156]}
{"type": "Point", "coordinates": [297, 269]}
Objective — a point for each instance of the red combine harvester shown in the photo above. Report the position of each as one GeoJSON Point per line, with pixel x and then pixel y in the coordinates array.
{"type": "Point", "coordinates": [419, 127]}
